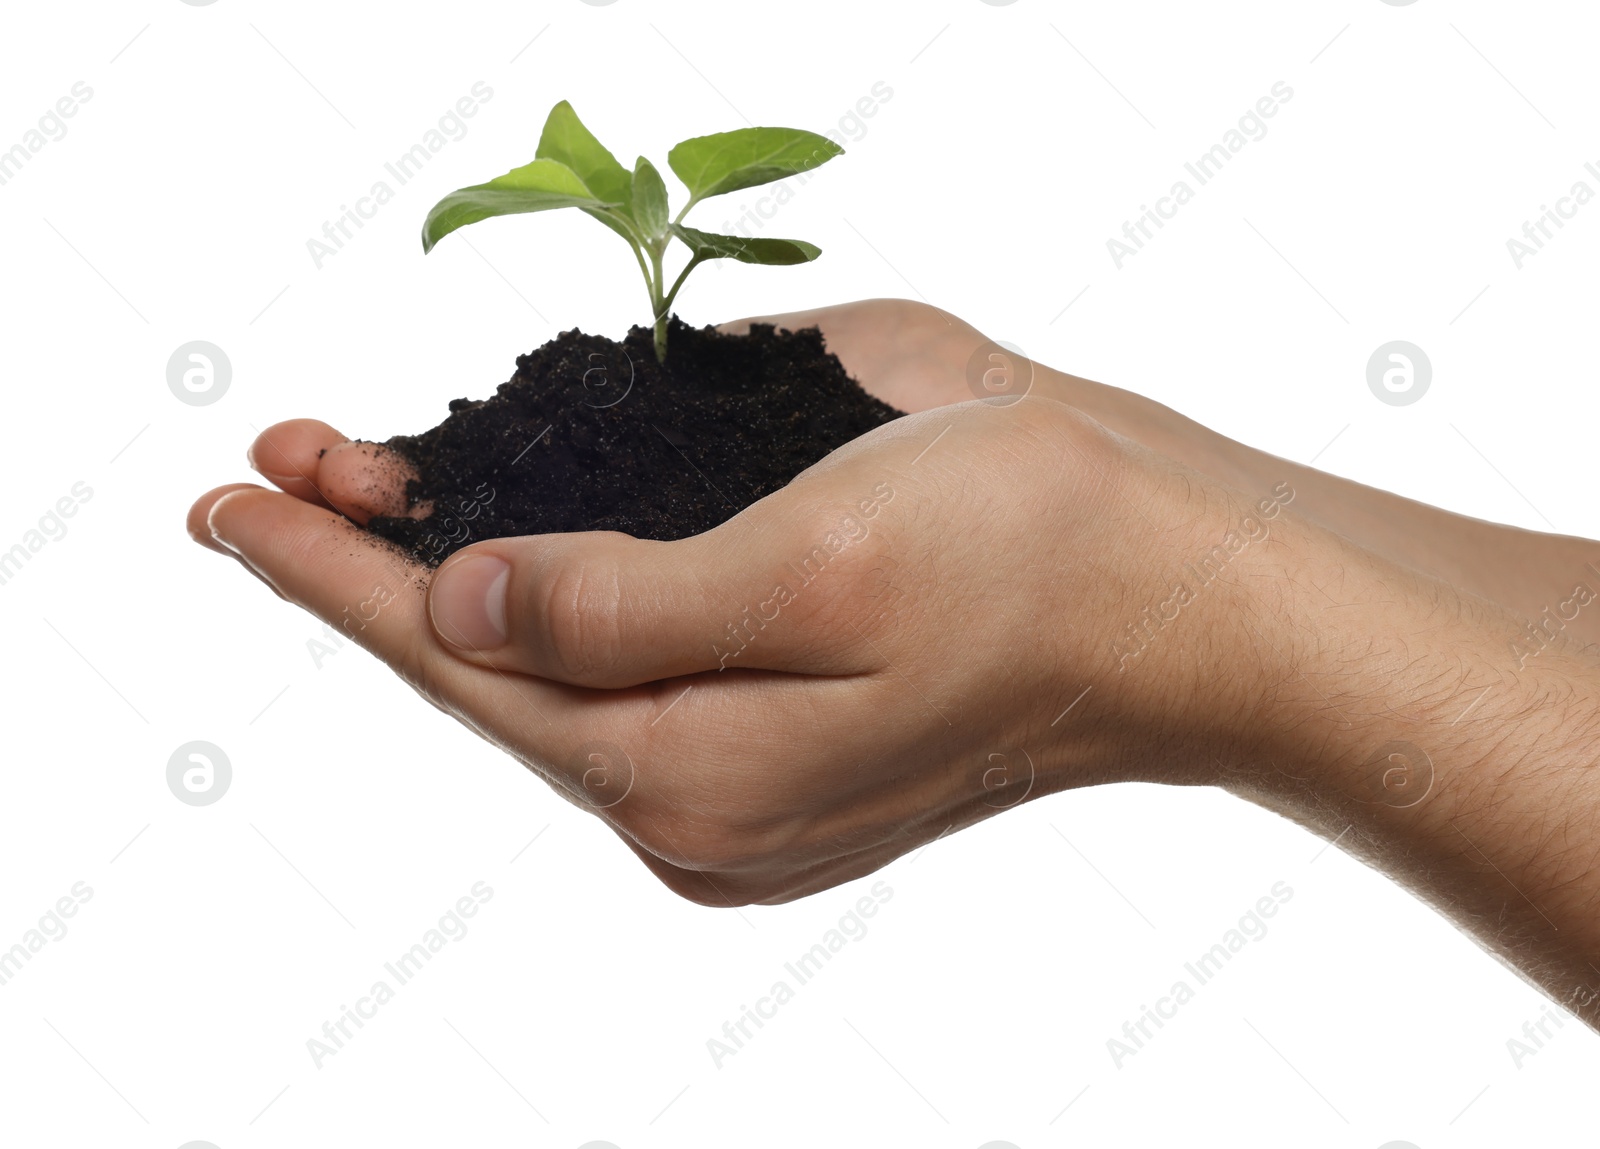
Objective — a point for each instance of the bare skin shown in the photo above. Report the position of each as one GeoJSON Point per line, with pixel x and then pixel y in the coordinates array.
{"type": "Point", "coordinates": [981, 568]}
{"type": "Point", "coordinates": [914, 356]}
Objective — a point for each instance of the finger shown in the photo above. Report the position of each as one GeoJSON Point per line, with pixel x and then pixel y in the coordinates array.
{"type": "Point", "coordinates": [286, 455]}
{"type": "Point", "coordinates": [312, 461]}
{"type": "Point", "coordinates": [785, 321]}
{"type": "Point", "coordinates": [361, 586]}
{"type": "Point", "coordinates": [367, 479]}
{"type": "Point", "coordinates": [199, 529]}
{"type": "Point", "coordinates": [857, 320]}
{"type": "Point", "coordinates": [910, 355]}
{"type": "Point", "coordinates": [371, 593]}
{"type": "Point", "coordinates": [769, 589]}
{"type": "Point", "coordinates": [365, 589]}
{"type": "Point", "coordinates": [847, 328]}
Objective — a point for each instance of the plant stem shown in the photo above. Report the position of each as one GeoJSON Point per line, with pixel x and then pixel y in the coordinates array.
{"type": "Point", "coordinates": [682, 275]}
{"type": "Point", "coordinates": [658, 302]}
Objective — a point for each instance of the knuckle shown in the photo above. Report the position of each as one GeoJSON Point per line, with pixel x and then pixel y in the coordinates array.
{"type": "Point", "coordinates": [582, 605]}
{"type": "Point", "coordinates": [1070, 433]}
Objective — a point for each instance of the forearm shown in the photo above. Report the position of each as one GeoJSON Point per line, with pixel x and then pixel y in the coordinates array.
{"type": "Point", "coordinates": [1532, 575]}
{"type": "Point", "coordinates": [1412, 737]}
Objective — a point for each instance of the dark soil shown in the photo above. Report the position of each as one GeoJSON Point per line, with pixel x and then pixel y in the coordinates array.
{"type": "Point", "coordinates": [590, 435]}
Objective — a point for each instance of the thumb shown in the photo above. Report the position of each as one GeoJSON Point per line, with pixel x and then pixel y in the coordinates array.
{"type": "Point", "coordinates": [770, 589]}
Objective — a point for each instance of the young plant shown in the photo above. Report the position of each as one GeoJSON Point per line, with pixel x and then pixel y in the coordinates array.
{"type": "Point", "coordinates": [573, 169]}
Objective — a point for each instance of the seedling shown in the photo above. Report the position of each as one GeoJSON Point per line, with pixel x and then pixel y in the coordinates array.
{"type": "Point", "coordinates": [573, 169]}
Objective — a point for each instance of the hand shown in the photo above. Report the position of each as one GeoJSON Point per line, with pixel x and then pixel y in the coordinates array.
{"type": "Point", "coordinates": [991, 616]}
{"type": "Point", "coordinates": [910, 355]}
{"type": "Point", "coordinates": [917, 357]}
{"type": "Point", "coordinates": [893, 646]}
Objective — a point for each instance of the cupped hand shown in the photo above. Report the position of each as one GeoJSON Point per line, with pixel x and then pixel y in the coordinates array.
{"type": "Point", "coordinates": [911, 355]}
{"type": "Point", "coordinates": [899, 643]}
{"type": "Point", "coordinates": [916, 357]}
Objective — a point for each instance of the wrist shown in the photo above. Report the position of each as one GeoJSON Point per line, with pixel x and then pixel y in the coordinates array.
{"type": "Point", "coordinates": [1182, 670]}
{"type": "Point", "coordinates": [1418, 743]}
{"type": "Point", "coordinates": [1373, 655]}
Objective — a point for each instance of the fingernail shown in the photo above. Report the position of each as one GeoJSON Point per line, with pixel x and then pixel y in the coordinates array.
{"type": "Point", "coordinates": [222, 542]}
{"type": "Point", "coordinates": [468, 602]}
{"type": "Point", "coordinates": [271, 476]}
{"type": "Point", "coordinates": [212, 526]}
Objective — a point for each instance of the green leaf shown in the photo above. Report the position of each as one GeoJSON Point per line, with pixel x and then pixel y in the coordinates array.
{"type": "Point", "coordinates": [709, 245]}
{"type": "Point", "coordinates": [568, 142]}
{"type": "Point", "coordinates": [649, 200]}
{"type": "Point", "coordinates": [728, 161]}
{"type": "Point", "coordinates": [539, 186]}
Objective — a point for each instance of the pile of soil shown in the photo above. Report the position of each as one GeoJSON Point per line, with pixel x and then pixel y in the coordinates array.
{"type": "Point", "coordinates": [591, 434]}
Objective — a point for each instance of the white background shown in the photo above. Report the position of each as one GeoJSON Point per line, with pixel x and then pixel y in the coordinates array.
{"type": "Point", "coordinates": [977, 1008]}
